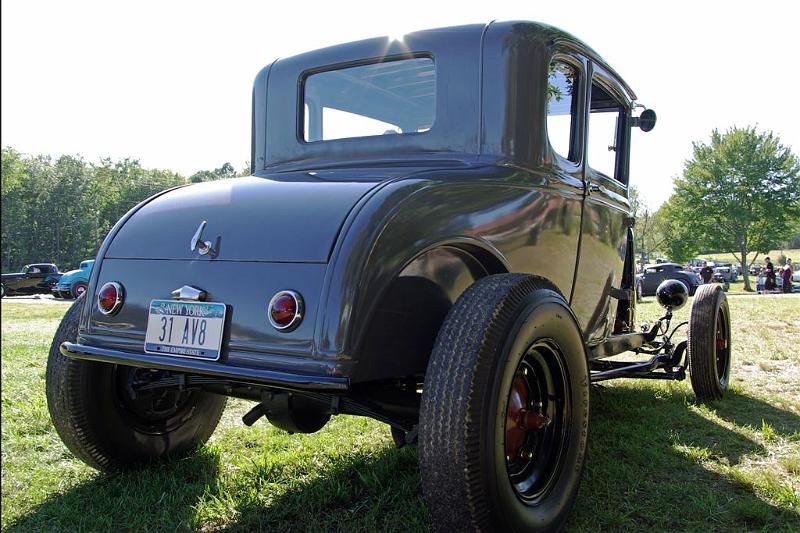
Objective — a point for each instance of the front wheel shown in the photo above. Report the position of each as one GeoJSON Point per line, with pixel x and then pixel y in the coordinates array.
{"type": "Point", "coordinates": [505, 410]}
{"type": "Point", "coordinates": [106, 424]}
{"type": "Point", "coordinates": [709, 343]}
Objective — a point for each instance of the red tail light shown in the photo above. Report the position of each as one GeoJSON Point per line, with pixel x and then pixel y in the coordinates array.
{"type": "Point", "coordinates": [109, 298]}
{"type": "Point", "coordinates": [285, 310]}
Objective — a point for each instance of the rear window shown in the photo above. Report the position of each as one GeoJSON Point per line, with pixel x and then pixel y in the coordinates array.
{"type": "Point", "coordinates": [388, 98]}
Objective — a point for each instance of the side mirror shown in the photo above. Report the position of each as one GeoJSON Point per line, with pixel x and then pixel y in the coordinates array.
{"type": "Point", "coordinates": [646, 121]}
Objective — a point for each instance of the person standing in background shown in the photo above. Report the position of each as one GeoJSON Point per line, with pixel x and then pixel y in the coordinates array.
{"type": "Point", "coordinates": [786, 274]}
{"type": "Point", "coordinates": [769, 272]}
{"type": "Point", "coordinates": [707, 273]}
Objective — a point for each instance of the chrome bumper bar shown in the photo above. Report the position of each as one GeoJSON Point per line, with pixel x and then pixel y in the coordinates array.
{"type": "Point", "coordinates": [257, 376]}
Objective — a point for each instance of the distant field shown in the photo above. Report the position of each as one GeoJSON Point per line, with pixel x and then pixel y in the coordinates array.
{"type": "Point", "coordinates": [658, 460]}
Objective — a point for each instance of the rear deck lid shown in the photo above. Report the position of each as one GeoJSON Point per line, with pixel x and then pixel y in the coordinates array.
{"type": "Point", "coordinates": [247, 219]}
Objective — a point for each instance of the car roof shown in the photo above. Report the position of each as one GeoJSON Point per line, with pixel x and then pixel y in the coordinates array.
{"type": "Point", "coordinates": [662, 265]}
{"type": "Point", "coordinates": [476, 59]}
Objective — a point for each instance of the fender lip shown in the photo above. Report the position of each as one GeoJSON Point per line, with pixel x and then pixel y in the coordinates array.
{"type": "Point", "coordinates": [273, 378]}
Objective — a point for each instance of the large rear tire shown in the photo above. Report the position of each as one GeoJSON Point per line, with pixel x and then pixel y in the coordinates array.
{"type": "Point", "coordinates": [109, 428]}
{"type": "Point", "coordinates": [505, 410]}
{"type": "Point", "coordinates": [709, 343]}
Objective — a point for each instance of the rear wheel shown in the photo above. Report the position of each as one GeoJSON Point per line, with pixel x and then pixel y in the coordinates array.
{"type": "Point", "coordinates": [110, 422]}
{"type": "Point", "coordinates": [505, 409]}
{"type": "Point", "coordinates": [709, 343]}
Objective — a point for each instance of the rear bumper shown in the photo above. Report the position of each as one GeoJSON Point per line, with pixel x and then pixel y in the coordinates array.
{"type": "Point", "coordinates": [218, 369]}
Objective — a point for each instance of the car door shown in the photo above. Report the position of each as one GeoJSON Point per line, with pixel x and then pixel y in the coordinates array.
{"type": "Point", "coordinates": [34, 276]}
{"type": "Point", "coordinates": [606, 210]}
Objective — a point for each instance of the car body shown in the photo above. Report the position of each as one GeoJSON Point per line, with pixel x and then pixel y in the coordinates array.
{"type": "Point", "coordinates": [36, 278]}
{"type": "Point", "coordinates": [725, 272]}
{"type": "Point", "coordinates": [73, 283]}
{"type": "Point", "coordinates": [347, 227]}
{"type": "Point", "coordinates": [653, 276]}
{"type": "Point", "coordinates": [413, 203]}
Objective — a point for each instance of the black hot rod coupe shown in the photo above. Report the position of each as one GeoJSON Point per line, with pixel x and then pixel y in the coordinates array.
{"type": "Point", "coordinates": [436, 234]}
{"type": "Point", "coordinates": [36, 278]}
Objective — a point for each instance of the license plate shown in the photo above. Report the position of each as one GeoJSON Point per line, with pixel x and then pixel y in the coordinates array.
{"type": "Point", "coordinates": [185, 329]}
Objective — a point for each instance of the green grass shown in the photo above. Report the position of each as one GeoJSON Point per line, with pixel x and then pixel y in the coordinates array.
{"type": "Point", "coordinates": [658, 460]}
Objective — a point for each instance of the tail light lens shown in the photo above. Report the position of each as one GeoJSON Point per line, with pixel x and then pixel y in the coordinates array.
{"type": "Point", "coordinates": [110, 297]}
{"type": "Point", "coordinates": [285, 310]}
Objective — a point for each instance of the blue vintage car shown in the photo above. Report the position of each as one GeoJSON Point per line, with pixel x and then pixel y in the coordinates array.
{"type": "Point", "coordinates": [73, 283]}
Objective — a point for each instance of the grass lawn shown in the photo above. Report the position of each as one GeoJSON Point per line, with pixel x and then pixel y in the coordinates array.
{"type": "Point", "coordinates": [657, 459]}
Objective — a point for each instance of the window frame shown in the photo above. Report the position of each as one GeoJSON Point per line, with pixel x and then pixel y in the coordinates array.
{"type": "Point", "coordinates": [607, 82]}
{"type": "Point", "coordinates": [577, 123]}
{"type": "Point", "coordinates": [301, 93]}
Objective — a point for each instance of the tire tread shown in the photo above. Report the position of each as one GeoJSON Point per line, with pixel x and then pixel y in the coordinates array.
{"type": "Point", "coordinates": [701, 340]}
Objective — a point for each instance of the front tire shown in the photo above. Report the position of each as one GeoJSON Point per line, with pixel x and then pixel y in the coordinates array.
{"type": "Point", "coordinates": [108, 428]}
{"type": "Point", "coordinates": [505, 409]}
{"type": "Point", "coordinates": [709, 343]}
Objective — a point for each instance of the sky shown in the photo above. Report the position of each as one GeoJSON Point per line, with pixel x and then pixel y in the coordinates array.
{"type": "Point", "coordinates": [169, 83]}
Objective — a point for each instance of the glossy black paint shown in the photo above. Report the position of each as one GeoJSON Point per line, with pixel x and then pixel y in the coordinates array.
{"type": "Point", "coordinates": [653, 275]}
{"type": "Point", "coordinates": [36, 278]}
{"type": "Point", "coordinates": [380, 235]}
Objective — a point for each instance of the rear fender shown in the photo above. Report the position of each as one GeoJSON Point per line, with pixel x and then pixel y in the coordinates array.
{"type": "Point", "coordinates": [388, 246]}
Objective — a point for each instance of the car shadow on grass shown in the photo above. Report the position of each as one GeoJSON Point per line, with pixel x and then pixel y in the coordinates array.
{"type": "Point", "coordinates": [160, 497]}
{"type": "Point", "coordinates": [363, 492]}
{"type": "Point", "coordinates": [660, 460]}
{"type": "Point", "coordinates": [657, 461]}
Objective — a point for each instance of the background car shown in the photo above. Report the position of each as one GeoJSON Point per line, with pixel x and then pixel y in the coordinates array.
{"type": "Point", "coordinates": [651, 278]}
{"type": "Point", "coordinates": [761, 287]}
{"type": "Point", "coordinates": [36, 278]}
{"type": "Point", "coordinates": [74, 282]}
{"type": "Point", "coordinates": [725, 272]}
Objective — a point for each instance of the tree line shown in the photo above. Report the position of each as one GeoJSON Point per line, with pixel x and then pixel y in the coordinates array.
{"type": "Point", "coordinates": [60, 210]}
{"type": "Point", "coordinates": [739, 193]}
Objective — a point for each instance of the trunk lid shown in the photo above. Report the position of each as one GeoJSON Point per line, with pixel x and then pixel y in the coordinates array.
{"type": "Point", "coordinates": [248, 219]}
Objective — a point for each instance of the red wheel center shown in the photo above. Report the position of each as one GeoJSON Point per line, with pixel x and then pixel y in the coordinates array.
{"type": "Point", "coordinates": [520, 418]}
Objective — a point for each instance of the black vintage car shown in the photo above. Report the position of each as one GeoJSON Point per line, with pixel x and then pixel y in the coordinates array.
{"type": "Point", "coordinates": [652, 277]}
{"type": "Point", "coordinates": [36, 278]}
{"type": "Point", "coordinates": [436, 235]}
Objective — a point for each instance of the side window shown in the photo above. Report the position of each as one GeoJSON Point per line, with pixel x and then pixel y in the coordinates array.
{"type": "Point", "coordinates": [562, 108]}
{"type": "Point", "coordinates": [606, 142]}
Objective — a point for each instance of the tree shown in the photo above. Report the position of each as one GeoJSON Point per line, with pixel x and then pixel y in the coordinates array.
{"type": "Point", "coordinates": [649, 236]}
{"type": "Point", "coordinates": [61, 209]}
{"type": "Point", "coordinates": [740, 192]}
{"type": "Point", "coordinates": [680, 242]}
{"type": "Point", "coordinates": [223, 172]}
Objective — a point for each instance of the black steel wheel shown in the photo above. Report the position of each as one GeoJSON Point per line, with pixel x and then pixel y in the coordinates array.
{"type": "Point", "coordinates": [109, 420]}
{"type": "Point", "coordinates": [709, 343]}
{"type": "Point", "coordinates": [505, 410]}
